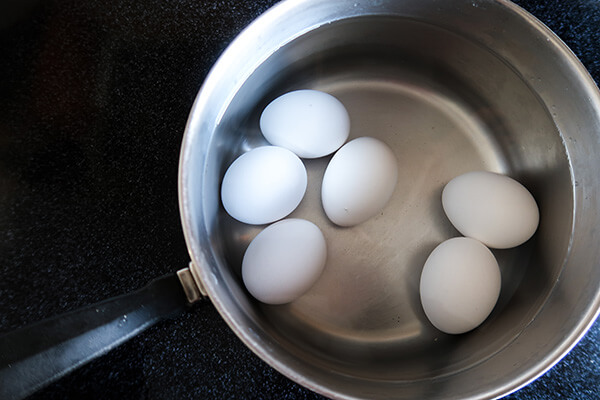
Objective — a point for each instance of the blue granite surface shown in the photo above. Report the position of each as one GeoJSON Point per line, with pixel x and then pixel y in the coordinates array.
{"type": "Point", "coordinates": [94, 97]}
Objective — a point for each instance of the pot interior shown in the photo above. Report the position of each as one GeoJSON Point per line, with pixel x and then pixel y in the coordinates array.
{"type": "Point", "coordinates": [446, 103]}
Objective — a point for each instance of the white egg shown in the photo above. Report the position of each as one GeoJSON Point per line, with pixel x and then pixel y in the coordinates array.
{"type": "Point", "coordinates": [284, 261]}
{"type": "Point", "coordinates": [263, 185]}
{"type": "Point", "coordinates": [492, 208]}
{"type": "Point", "coordinates": [308, 122]}
{"type": "Point", "coordinates": [359, 181]}
{"type": "Point", "coordinates": [460, 285]}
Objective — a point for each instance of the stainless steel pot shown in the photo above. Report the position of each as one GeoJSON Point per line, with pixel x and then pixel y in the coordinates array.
{"type": "Point", "coordinates": [452, 86]}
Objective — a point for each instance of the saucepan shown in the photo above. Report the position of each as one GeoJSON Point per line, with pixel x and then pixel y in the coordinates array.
{"type": "Point", "coordinates": [452, 86]}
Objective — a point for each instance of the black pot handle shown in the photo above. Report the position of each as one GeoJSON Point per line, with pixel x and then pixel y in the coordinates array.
{"type": "Point", "coordinates": [36, 355]}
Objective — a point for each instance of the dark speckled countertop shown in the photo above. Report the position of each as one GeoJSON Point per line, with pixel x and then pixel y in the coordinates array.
{"type": "Point", "coordinates": [94, 98]}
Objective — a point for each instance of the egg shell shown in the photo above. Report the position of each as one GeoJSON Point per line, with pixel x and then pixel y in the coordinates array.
{"type": "Point", "coordinates": [310, 123]}
{"type": "Point", "coordinates": [492, 208]}
{"type": "Point", "coordinates": [284, 261]}
{"type": "Point", "coordinates": [263, 185]}
{"type": "Point", "coordinates": [359, 181]}
{"type": "Point", "coordinates": [460, 285]}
